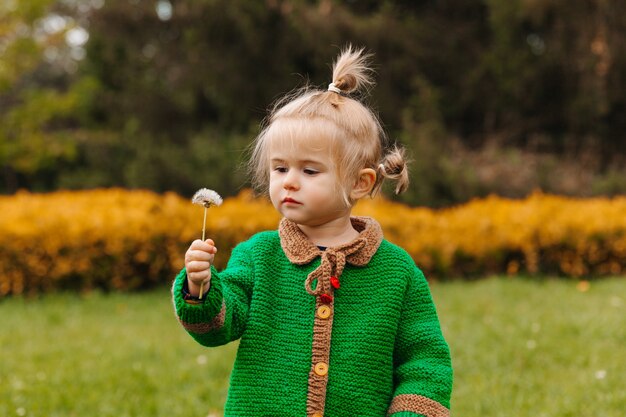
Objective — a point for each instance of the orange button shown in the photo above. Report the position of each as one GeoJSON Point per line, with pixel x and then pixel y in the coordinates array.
{"type": "Point", "coordinates": [323, 312]}
{"type": "Point", "coordinates": [321, 369]}
{"type": "Point", "coordinates": [317, 415]}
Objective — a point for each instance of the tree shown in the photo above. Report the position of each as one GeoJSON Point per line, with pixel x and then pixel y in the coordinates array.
{"type": "Point", "coordinates": [40, 100]}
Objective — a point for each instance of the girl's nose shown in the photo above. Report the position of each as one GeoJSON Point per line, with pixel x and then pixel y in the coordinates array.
{"type": "Point", "coordinates": [291, 180]}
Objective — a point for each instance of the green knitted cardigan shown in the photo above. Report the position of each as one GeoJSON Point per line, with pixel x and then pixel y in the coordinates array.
{"type": "Point", "coordinates": [351, 330]}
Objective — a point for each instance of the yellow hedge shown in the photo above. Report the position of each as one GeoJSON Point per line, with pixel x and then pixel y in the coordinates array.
{"type": "Point", "coordinates": [119, 239]}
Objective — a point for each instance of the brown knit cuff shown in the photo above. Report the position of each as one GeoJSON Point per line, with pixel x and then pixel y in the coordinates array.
{"type": "Point", "coordinates": [417, 404]}
{"type": "Point", "coordinates": [201, 328]}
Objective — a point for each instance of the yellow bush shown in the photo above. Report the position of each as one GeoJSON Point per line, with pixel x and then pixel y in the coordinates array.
{"type": "Point", "coordinates": [120, 239]}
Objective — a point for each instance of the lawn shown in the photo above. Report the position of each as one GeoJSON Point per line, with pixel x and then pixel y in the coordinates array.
{"type": "Point", "coordinates": [521, 348]}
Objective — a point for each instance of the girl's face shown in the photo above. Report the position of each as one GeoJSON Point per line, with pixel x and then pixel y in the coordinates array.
{"type": "Point", "coordinates": [304, 186]}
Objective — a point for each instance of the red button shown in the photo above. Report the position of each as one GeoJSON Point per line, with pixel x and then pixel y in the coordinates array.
{"type": "Point", "coordinates": [334, 281]}
{"type": "Point", "coordinates": [326, 298]}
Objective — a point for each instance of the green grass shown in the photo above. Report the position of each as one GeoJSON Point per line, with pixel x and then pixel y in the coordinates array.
{"type": "Point", "coordinates": [536, 348]}
{"type": "Point", "coordinates": [520, 348]}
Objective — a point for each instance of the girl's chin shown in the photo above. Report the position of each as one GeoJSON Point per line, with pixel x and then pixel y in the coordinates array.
{"type": "Point", "coordinates": [298, 219]}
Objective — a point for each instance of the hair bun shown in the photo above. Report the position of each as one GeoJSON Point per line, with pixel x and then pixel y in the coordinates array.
{"type": "Point", "coordinates": [394, 166]}
{"type": "Point", "coordinates": [351, 71]}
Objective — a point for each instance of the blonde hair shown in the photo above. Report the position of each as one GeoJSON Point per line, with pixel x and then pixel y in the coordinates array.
{"type": "Point", "coordinates": [357, 137]}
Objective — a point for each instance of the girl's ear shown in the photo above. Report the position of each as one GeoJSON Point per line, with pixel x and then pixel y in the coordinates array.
{"type": "Point", "coordinates": [364, 184]}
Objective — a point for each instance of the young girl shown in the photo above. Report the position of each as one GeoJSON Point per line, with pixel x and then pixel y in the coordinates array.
{"type": "Point", "coordinates": [333, 320]}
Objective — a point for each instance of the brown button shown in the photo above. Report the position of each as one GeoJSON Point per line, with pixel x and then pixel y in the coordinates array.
{"type": "Point", "coordinates": [317, 415]}
{"type": "Point", "coordinates": [321, 368]}
{"type": "Point", "coordinates": [323, 312]}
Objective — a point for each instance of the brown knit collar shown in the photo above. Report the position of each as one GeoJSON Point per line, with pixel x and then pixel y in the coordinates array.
{"type": "Point", "coordinates": [300, 250]}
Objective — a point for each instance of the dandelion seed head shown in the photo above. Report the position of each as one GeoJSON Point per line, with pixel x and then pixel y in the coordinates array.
{"type": "Point", "coordinates": [207, 198]}
{"type": "Point", "coordinates": [616, 301]}
{"type": "Point", "coordinates": [18, 384]}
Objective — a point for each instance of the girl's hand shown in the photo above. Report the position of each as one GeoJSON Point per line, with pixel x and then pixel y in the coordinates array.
{"type": "Point", "coordinates": [198, 260]}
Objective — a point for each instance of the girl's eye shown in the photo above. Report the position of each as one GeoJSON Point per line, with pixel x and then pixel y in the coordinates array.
{"type": "Point", "coordinates": [310, 171]}
{"type": "Point", "coordinates": [280, 169]}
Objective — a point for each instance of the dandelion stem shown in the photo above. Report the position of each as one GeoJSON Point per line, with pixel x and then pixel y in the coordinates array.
{"type": "Point", "coordinates": [204, 224]}
{"type": "Point", "coordinates": [203, 230]}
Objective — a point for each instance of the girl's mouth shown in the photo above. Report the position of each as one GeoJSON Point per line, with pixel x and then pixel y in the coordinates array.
{"type": "Point", "coordinates": [290, 200]}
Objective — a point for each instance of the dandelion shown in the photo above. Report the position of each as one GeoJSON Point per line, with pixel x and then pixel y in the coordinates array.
{"type": "Point", "coordinates": [583, 286]}
{"type": "Point", "coordinates": [206, 198]}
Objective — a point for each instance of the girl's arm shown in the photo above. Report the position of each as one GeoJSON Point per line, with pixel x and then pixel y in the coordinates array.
{"type": "Point", "coordinates": [221, 316]}
{"type": "Point", "coordinates": [422, 364]}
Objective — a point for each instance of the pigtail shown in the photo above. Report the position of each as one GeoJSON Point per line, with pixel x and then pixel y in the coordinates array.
{"type": "Point", "coordinates": [393, 166]}
{"type": "Point", "coordinates": [351, 71]}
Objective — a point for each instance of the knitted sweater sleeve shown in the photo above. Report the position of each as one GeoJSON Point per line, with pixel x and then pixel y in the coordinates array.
{"type": "Point", "coordinates": [221, 317]}
{"type": "Point", "coordinates": [422, 363]}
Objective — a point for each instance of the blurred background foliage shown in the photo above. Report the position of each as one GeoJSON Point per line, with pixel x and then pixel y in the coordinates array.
{"type": "Point", "coordinates": [491, 96]}
{"type": "Point", "coordinates": [124, 240]}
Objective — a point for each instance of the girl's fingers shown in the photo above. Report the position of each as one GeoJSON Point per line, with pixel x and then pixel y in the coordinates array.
{"type": "Point", "coordinates": [198, 266]}
{"type": "Point", "coordinates": [198, 255]}
{"type": "Point", "coordinates": [198, 260]}
{"type": "Point", "coordinates": [199, 277]}
{"type": "Point", "coordinates": [206, 246]}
